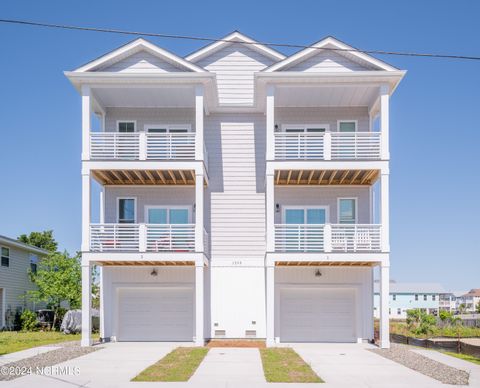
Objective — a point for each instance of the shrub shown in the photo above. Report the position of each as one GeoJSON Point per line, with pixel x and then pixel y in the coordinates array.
{"type": "Point", "coordinates": [419, 322]}
{"type": "Point", "coordinates": [28, 320]}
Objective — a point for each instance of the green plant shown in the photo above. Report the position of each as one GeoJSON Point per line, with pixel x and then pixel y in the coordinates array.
{"type": "Point", "coordinates": [419, 322]}
{"type": "Point", "coordinates": [28, 320]}
{"type": "Point", "coordinates": [448, 318]}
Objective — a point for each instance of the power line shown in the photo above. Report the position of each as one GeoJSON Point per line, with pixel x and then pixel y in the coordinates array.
{"type": "Point", "coordinates": [213, 40]}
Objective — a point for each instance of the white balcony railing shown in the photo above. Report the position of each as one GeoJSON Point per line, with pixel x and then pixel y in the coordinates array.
{"type": "Point", "coordinates": [328, 146]}
{"type": "Point", "coordinates": [142, 146]}
{"type": "Point", "coordinates": [142, 237]}
{"type": "Point", "coordinates": [328, 238]}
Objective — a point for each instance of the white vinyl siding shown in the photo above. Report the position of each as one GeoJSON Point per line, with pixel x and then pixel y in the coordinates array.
{"type": "Point", "coordinates": [234, 66]}
{"type": "Point", "coordinates": [327, 61]}
{"type": "Point", "coordinates": [142, 61]}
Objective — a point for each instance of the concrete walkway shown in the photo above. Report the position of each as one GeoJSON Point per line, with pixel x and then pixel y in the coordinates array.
{"type": "Point", "coordinates": [230, 365]}
{"type": "Point", "coordinates": [27, 353]}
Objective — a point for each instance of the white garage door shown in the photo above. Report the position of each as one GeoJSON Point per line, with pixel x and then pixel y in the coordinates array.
{"type": "Point", "coordinates": [155, 314]}
{"type": "Point", "coordinates": [317, 315]}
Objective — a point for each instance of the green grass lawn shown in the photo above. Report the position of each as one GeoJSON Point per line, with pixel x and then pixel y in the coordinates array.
{"type": "Point", "coordinates": [13, 341]}
{"type": "Point", "coordinates": [464, 357]}
{"type": "Point", "coordinates": [284, 365]}
{"type": "Point", "coordinates": [178, 365]}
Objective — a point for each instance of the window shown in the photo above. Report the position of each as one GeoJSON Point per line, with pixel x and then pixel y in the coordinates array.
{"type": "Point", "coordinates": [165, 128]}
{"type": "Point", "coordinates": [307, 215]}
{"type": "Point", "coordinates": [302, 128]}
{"type": "Point", "coordinates": [424, 297]}
{"type": "Point", "coordinates": [433, 297]}
{"type": "Point", "coordinates": [33, 263]}
{"type": "Point", "coordinates": [347, 211]}
{"type": "Point", "coordinates": [126, 126]}
{"type": "Point", "coordinates": [347, 126]}
{"type": "Point", "coordinates": [394, 296]}
{"type": "Point", "coordinates": [126, 211]}
{"type": "Point", "coordinates": [416, 297]}
{"type": "Point", "coordinates": [389, 311]}
{"type": "Point", "coordinates": [162, 215]}
{"type": "Point", "coordinates": [399, 311]}
{"type": "Point", "coordinates": [5, 257]}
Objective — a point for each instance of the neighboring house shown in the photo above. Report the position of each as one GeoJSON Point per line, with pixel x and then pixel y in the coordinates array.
{"type": "Point", "coordinates": [17, 259]}
{"type": "Point", "coordinates": [470, 300]}
{"type": "Point", "coordinates": [447, 302]}
{"type": "Point", "coordinates": [410, 296]}
{"type": "Point", "coordinates": [244, 193]}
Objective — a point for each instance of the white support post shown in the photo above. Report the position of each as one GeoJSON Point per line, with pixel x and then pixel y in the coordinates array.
{"type": "Point", "coordinates": [199, 223]}
{"type": "Point", "coordinates": [86, 121]}
{"type": "Point", "coordinates": [384, 301]}
{"type": "Point", "coordinates": [86, 305]}
{"type": "Point", "coordinates": [270, 123]}
{"type": "Point", "coordinates": [102, 274]}
{"type": "Point", "coordinates": [199, 92]}
{"type": "Point", "coordinates": [384, 121]}
{"type": "Point", "coordinates": [199, 305]}
{"type": "Point", "coordinates": [142, 237]}
{"type": "Point", "coordinates": [327, 238]}
{"type": "Point", "coordinates": [327, 146]}
{"type": "Point", "coordinates": [102, 205]}
{"type": "Point", "coordinates": [270, 302]}
{"type": "Point", "coordinates": [86, 210]}
{"type": "Point", "coordinates": [385, 211]}
{"type": "Point", "coordinates": [270, 209]}
{"type": "Point", "coordinates": [142, 145]}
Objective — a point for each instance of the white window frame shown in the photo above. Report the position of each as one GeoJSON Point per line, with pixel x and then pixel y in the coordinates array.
{"type": "Point", "coordinates": [347, 121]}
{"type": "Point", "coordinates": [168, 127]}
{"type": "Point", "coordinates": [285, 127]}
{"type": "Point", "coordinates": [425, 297]}
{"type": "Point", "coordinates": [117, 129]}
{"type": "Point", "coordinates": [168, 208]}
{"type": "Point", "coordinates": [134, 208]}
{"type": "Point", "coordinates": [1, 256]}
{"type": "Point", "coordinates": [305, 208]}
{"type": "Point", "coordinates": [416, 297]}
{"type": "Point", "coordinates": [399, 311]}
{"type": "Point", "coordinates": [356, 209]}
{"type": "Point", "coordinates": [33, 260]}
{"type": "Point", "coordinates": [394, 296]}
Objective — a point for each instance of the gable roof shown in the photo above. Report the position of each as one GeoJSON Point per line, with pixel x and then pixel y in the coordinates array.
{"type": "Point", "coordinates": [234, 37]}
{"type": "Point", "coordinates": [473, 292]}
{"type": "Point", "coordinates": [134, 47]}
{"type": "Point", "coordinates": [17, 244]}
{"type": "Point", "coordinates": [331, 42]}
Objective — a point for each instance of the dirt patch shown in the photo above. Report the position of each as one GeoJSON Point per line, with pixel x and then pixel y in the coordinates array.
{"type": "Point", "coordinates": [235, 344]}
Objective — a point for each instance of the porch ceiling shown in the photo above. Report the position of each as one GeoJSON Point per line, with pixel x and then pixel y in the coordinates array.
{"type": "Point", "coordinates": [145, 177]}
{"type": "Point", "coordinates": [326, 177]}
{"type": "Point", "coordinates": [325, 263]}
{"type": "Point", "coordinates": [146, 263]}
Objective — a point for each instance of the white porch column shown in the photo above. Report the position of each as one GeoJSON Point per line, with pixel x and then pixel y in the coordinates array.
{"type": "Point", "coordinates": [199, 92]}
{"type": "Point", "coordinates": [199, 305]}
{"type": "Point", "coordinates": [199, 222]}
{"type": "Point", "coordinates": [270, 209]}
{"type": "Point", "coordinates": [102, 205]}
{"type": "Point", "coordinates": [384, 306]}
{"type": "Point", "coordinates": [101, 274]}
{"type": "Point", "coordinates": [86, 305]}
{"type": "Point", "coordinates": [385, 211]}
{"type": "Point", "coordinates": [85, 212]}
{"type": "Point", "coordinates": [270, 303]}
{"type": "Point", "coordinates": [270, 113]}
{"type": "Point", "coordinates": [86, 123]}
{"type": "Point", "coordinates": [384, 121]}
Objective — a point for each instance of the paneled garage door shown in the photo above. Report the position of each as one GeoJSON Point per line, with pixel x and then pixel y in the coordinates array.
{"type": "Point", "coordinates": [317, 315]}
{"type": "Point", "coordinates": [155, 314]}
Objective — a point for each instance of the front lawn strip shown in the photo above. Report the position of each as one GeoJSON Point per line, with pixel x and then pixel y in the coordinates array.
{"type": "Point", "coordinates": [284, 365]}
{"type": "Point", "coordinates": [465, 357]}
{"type": "Point", "coordinates": [14, 341]}
{"type": "Point", "coordinates": [178, 365]}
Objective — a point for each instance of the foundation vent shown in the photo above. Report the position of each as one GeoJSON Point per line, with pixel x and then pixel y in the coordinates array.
{"type": "Point", "coordinates": [250, 334]}
{"type": "Point", "coordinates": [220, 333]}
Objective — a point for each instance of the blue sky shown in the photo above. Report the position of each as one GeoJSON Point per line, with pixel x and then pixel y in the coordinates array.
{"type": "Point", "coordinates": [435, 135]}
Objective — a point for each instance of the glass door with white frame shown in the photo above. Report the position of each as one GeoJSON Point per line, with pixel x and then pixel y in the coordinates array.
{"type": "Point", "coordinates": [169, 228]}
{"type": "Point", "coordinates": [304, 228]}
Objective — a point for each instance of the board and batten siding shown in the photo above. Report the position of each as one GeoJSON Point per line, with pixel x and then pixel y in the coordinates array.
{"type": "Point", "coordinates": [327, 61]}
{"type": "Point", "coordinates": [148, 196]}
{"type": "Point", "coordinates": [146, 116]}
{"type": "Point", "coordinates": [142, 61]}
{"type": "Point", "coordinates": [236, 145]}
{"type": "Point", "coordinates": [234, 66]}
{"type": "Point", "coordinates": [323, 115]}
{"type": "Point", "coordinates": [323, 196]}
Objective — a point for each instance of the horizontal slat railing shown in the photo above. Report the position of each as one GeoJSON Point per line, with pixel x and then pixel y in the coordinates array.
{"type": "Point", "coordinates": [356, 145]}
{"type": "Point", "coordinates": [170, 238]}
{"type": "Point", "coordinates": [302, 146]}
{"type": "Point", "coordinates": [328, 238]}
{"type": "Point", "coordinates": [299, 238]}
{"type": "Point", "coordinates": [114, 145]}
{"type": "Point", "coordinates": [328, 146]}
{"type": "Point", "coordinates": [142, 146]}
{"type": "Point", "coordinates": [114, 237]}
{"type": "Point", "coordinates": [170, 146]}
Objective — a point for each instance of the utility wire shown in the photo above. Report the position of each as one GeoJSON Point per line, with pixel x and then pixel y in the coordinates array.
{"type": "Point", "coordinates": [213, 40]}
